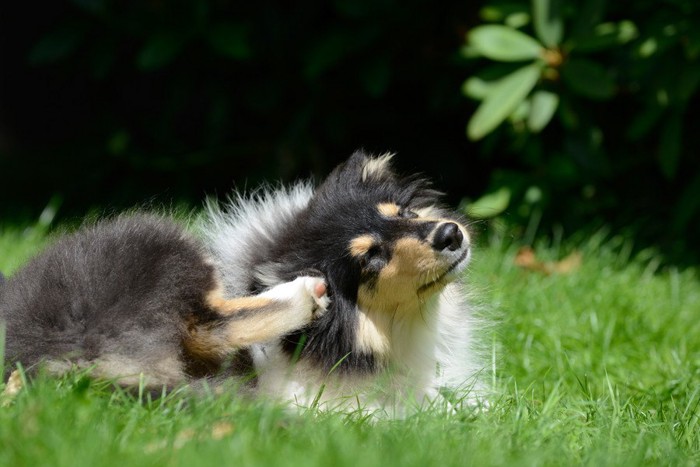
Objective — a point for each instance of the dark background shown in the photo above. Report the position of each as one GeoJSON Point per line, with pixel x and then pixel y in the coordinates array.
{"type": "Point", "coordinates": [107, 104]}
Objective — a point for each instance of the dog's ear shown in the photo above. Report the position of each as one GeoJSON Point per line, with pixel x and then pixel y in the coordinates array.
{"type": "Point", "coordinates": [377, 168]}
{"type": "Point", "coordinates": [364, 167]}
{"type": "Point", "coordinates": [358, 171]}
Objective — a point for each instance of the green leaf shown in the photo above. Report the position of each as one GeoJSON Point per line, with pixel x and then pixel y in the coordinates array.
{"type": "Point", "coordinates": [605, 36]}
{"type": "Point", "coordinates": [588, 79]}
{"type": "Point", "coordinates": [480, 84]}
{"type": "Point", "coordinates": [468, 52]}
{"type": "Point", "coordinates": [230, 40]}
{"type": "Point", "coordinates": [504, 44]}
{"type": "Point", "coordinates": [503, 99]}
{"type": "Point", "coordinates": [490, 205]}
{"type": "Point", "coordinates": [159, 51]}
{"type": "Point", "coordinates": [517, 20]}
{"type": "Point", "coordinates": [542, 108]}
{"type": "Point", "coordinates": [547, 20]}
{"type": "Point", "coordinates": [477, 88]}
{"type": "Point", "coordinates": [496, 13]}
{"type": "Point", "coordinates": [520, 113]}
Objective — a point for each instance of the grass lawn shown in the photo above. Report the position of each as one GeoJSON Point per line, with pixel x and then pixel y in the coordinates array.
{"type": "Point", "coordinates": [599, 365]}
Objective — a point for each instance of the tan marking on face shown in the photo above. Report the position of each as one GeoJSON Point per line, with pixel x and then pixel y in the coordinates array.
{"type": "Point", "coordinates": [388, 209]}
{"type": "Point", "coordinates": [413, 263]}
{"type": "Point", "coordinates": [225, 306]}
{"type": "Point", "coordinates": [401, 283]}
{"type": "Point", "coordinates": [359, 246]}
{"type": "Point", "coordinates": [411, 258]}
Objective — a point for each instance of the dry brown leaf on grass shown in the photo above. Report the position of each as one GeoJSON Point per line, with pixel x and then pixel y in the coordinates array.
{"type": "Point", "coordinates": [527, 259]}
{"type": "Point", "coordinates": [12, 388]}
{"type": "Point", "coordinates": [221, 429]}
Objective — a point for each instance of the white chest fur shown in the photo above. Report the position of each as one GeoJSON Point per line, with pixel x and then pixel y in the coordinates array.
{"type": "Point", "coordinates": [422, 352]}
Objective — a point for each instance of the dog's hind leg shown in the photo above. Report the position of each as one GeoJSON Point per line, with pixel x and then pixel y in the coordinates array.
{"type": "Point", "coordinates": [244, 321]}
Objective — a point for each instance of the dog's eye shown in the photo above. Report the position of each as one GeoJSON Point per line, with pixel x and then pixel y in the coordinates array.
{"type": "Point", "coordinates": [407, 214]}
{"type": "Point", "coordinates": [374, 251]}
{"type": "Point", "coordinates": [373, 259]}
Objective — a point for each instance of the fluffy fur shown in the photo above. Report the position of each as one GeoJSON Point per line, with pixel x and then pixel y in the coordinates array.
{"type": "Point", "coordinates": [137, 300]}
{"type": "Point", "coordinates": [398, 329]}
{"type": "Point", "coordinates": [137, 295]}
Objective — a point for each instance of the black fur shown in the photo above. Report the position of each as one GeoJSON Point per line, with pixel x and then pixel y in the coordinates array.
{"type": "Point", "coordinates": [124, 286]}
{"type": "Point", "coordinates": [343, 207]}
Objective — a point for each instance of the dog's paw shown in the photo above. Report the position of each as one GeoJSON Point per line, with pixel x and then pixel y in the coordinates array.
{"type": "Point", "coordinates": [307, 296]}
{"type": "Point", "coordinates": [318, 289]}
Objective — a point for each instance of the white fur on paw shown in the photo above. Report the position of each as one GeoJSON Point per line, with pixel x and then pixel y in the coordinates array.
{"type": "Point", "coordinates": [301, 293]}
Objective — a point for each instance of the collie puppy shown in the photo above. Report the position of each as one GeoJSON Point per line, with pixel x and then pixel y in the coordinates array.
{"type": "Point", "coordinates": [349, 295]}
{"type": "Point", "coordinates": [398, 330]}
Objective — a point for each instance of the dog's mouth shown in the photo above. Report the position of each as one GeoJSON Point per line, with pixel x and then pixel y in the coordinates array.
{"type": "Point", "coordinates": [452, 270]}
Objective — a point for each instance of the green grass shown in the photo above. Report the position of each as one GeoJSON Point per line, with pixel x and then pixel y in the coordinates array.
{"type": "Point", "coordinates": [600, 366]}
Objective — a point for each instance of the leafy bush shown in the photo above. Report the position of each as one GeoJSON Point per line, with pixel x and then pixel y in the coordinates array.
{"type": "Point", "coordinates": [582, 112]}
{"type": "Point", "coordinates": [588, 107]}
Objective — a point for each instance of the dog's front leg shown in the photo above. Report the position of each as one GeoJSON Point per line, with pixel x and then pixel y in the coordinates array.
{"type": "Point", "coordinates": [244, 321]}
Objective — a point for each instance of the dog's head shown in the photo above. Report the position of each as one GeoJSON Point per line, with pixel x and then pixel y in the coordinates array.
{"type": "Point", "coordinates": [381, 240]}
{"type": "Point", "coordinates": [384, 234]}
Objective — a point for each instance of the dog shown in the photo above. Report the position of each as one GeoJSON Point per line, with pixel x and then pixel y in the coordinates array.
{"type": "Point", "coordinates": [398, 329]}
{"type": "Point", "coordinates": [348, 295]}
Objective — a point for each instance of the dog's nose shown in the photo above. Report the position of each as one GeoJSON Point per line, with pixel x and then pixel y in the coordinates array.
{"type": "Point", "coordinates": [449, 236]}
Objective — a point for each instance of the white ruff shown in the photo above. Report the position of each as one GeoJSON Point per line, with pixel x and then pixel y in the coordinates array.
{"type": "Point", "coordinates": [246, 225]}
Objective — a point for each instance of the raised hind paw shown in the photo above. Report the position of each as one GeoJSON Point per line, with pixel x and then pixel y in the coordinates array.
{"type": "Point", "coordinates": [306, 296]}
{"type": "Point", "coordinates": [318, 290]}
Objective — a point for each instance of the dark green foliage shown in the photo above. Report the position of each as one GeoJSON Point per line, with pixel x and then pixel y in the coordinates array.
{"type": "Point", "coordinates": [614, 103]}
{"type": "Point", "coordinates": [109, 103]}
